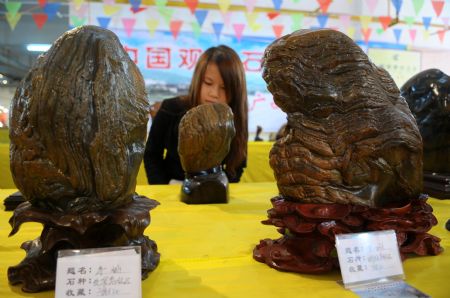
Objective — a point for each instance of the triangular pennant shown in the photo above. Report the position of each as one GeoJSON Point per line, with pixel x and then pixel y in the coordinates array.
{"type": "Point", "coordinates": [166, 13]}
{"type": "Point", "coordinates": [13, 19]}
{"type": "Point", "coordinates": [79, 11]}
{"type": "Point", "coordinates": [371, 4]}
{"type": "Point", "coordinates": [426, 22]}
{"type": "Point", "coordinates": [418, 4]}
{"type": "Point", "coordinates": [445, 21]}
{"type": "Point", "coordinates": [251, 17]}
{"type": "Point", "coordinates": [324, 4]}
{"type": "Point", "coordinates": [200, 15]}
{"type": "Point", "coordinates": [385, 21]}
{"type": "Point", "coordinates": [351, 32]}
{"type": "Point", "coordinates": [278, 30]}
{"type": "Point", "coordinates": [277, 4]}
{"type": "Point", "coordinates": [196, 29]}
{"type": "Point", "coordinates": [226, 18]}
{"type": "Point", "coordinates": [426, 35]}
{"type": "Point", "coordinates": [217, 29]}
{"type": "Point", "coordinates": [438, 6]}
{"type": "Point", "coordinates": [250, 5]}
{"type": "Point", "coordinates": [412, 34]}
{"type": "Point", "coordinates": [272, 15]}
{"type": "Point", "coordinates": [297, 20]}
{"type": "Point", "coordinates": [78, 3]}
{"type": "Point", "coordinates": [365, 21]}
{"type": "Point", "coordinates": [104, 22]}
{"type": "Point", "coordinates": [296, 1]}
{"type": "Point", "coordinates": [410, 21]}
{"type": "Point", "coordinates": [345, 20]}
{"type": "Point", "coordinates": [160, 3]}
{"type": "Point", "coordinates": [51, 9]}
{"type": "Point", "coordinates": [110, 10]}
{"type": "Point", "coordinates": [397, 34]}
{"type": "Point", "coordinates": [128, 25]}
{"type": "Point", "coordinates": [224, 5]}
{"type": "Point", "coordinates": [137, 10]}
{"type": "Point", "coordinates": [322, 19]}
{"type": "Point", "coordinates": [12, 7]}
{"type": "Point", "coordinates": [238, 30]}
{"type": "Point", "coordinates": [441, 34]}
{"type": "Point", "coordinates": [42, 3]}
{"type": "Point", "coordinates": [366, 34]}
{"type": "Point", "coordinates": [109, 2]}
{"type": "Point", "coordinates": [40, 19]}
{"type": "Point", "coordinates": [135, 4]}
{"type": "Point", "coordinates": [77, 21]}
{"type": "Point", "coordinates": [397, 4]}
{"type": "Point", "coordinates": [152, 24]}
{"type": "Point", "coordinates": [192, 5]}
{"type": "Point", "coordinates": [175, 27]}
{"type": "Point", "coordinates": [379, 31]}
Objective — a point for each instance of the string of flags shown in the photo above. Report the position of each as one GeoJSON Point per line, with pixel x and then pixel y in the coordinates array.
{"type": "Point", "coordinates": [367, 24]}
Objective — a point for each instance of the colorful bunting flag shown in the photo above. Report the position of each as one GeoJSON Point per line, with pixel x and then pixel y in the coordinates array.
{"type": "Point", "coordinates": [438, 5]}
{"type": "Point", "coordinates": [351, 32]}
{"type": "Point", "coordinates": [345, 20]}
{"type": "Point", "coordinates": [42, 3]}
{"type": "Point", "coordinates": [324, 4]}
{"type": "Point", "coordinates": [272, 15]}
{"type": "Point", "coordinates": [226, 18]}
{"type": "Point", "coordinates": [366, 34]}
{"type": "Point", "coordinates": [175, 27]}
{"type": "Point", "coordinates": [397, 34]}
{"type": "Point", "coordinates": [379, 31]}
{"type": "Point", "coordinates": [217, 29]}
{"type": "Point", "coordinates": [166, 13]}
{"type": "Point", "coordinates": [110, 9]}
{"type": "Point", "coordinates": [322, 19]}
{"type": "Point", "coordinates": [196, 29]}
{"type": "Point", "coordinates": [12, 7]}
{"type": "Point", "coordinates": [152, 24]}
{"type": "Point", "coordinates": [109, 2]}
{"type": "Point", "coordinates": [51, 9]}
{"type": "Point", "coordinates": [160, 3]}
{"type": "Point", "coordinates": [412, 34]}
{"type": "Point", "coordinates": [250, 5]}
{"type": "Point", "coordinates": [418, 4]}
{"type": "Point", "coordinates": [238, 30]}
{"type": "Point", "coordinates": [365, 21]}
{"type": "Point", "coordinates": [104, 22]}
{"type": "Point", "coordinates": [80, 11]}
{"type": "Point", "coordinates": [398, 5]}
{"type": "Point", "coordinates": [200, 15]}
{"type": "Point", "coordinates": [441, 34]}
{"type": "Point", "coordinates": [426, 22]}
{"type": "Point", "coordinates": [40, 19]}
{"type": "Point", "coordinates": [137, 10]}
{"type": "Point", "coordinates": [426, 35]}
{"type": "Point", "coordinates": [128, 25]}
{"type": "Point", "coordinates": [445, 21]}
{"type": "Point", "coordinates": [297, 20]}
{"type": "Point", "coordinates": [277, 4]}
{"type": "Point", "coordinates": [224, 5]}
{"type": "Point", "coordinates": [410, 21]}
{"type": "Point", "coordinates": [13, 19]}
{"type": "Point", "coordinates": [78, 3]}
{"type": "Point", "coordinates": [77, 21]}
{"type": "Point", "coordinates": [192, 5]}
{"type": "Point", "coordinates": [251, 21]}
{"type": "Point", "coordinates": [278, 30]}
{"type": "Point", "coordinates": [371, 4]}
{"type": "Point", "coordinates": [385, 21]}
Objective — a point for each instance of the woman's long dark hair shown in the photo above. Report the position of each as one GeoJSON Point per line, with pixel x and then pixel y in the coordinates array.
{"type": "Point", "coordinates": [233, 75]}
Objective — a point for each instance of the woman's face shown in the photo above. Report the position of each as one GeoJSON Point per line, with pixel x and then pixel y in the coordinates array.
{"type": "Point", "coordinates": [213, 89]}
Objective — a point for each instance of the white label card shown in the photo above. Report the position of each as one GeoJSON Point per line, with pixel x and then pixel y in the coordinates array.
{"type": "Point", "coordinates": [367, 257]}
{"type": "Point", "coordinates": [110, 272]}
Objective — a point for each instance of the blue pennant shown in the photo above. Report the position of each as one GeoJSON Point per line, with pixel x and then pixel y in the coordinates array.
{"type": "Point", "coordinates": [51, 9]}
{"type": "Point", "coordinates": [217, 29]}
{"type": "Point", "coordinates": [397, 33]}
{"type": "Point", "coordinates": [200, 15]}
{"type": "Point", "coordinates": [277, 4]}
{"type": "Point", "coordinates": [397, 4]}
{"type": "Point", "coordinates": [135, 4]}
{"type": "Point", "coordinates": [103, 22]}
{"type": "Point", "coordinates": [322, 19]}
{"type": "Point", "coordinates": [426, 22]}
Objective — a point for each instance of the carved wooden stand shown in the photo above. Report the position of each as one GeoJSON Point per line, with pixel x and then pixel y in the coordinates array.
{"type": "Point", "coordinates": [123, 226]}
{"type": "Point", "coordinates": [308, 241]}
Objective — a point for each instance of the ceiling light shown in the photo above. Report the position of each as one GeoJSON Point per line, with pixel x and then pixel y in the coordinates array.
{"type": "Point", "coordinates": [5, 82]}
{"type": "Point", "coordinates": [36, 47]}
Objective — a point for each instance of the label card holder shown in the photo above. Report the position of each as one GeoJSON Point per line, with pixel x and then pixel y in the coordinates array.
{"type": "Point", "coordinates": [99, 272]}
{"type": "Point", "coordinates": [371, 265]}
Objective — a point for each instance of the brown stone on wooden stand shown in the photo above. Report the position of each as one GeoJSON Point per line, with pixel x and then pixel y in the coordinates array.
{"type": "Point", "coordinates": [204, 139]}
{"type": "Point", "coordinates": [78, 129]}
{"type": "Point", "coordinates": [350, 159]}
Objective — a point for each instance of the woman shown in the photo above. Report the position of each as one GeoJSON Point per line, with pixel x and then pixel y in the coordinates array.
{"type": "Point", "coordinates": [218, 77]}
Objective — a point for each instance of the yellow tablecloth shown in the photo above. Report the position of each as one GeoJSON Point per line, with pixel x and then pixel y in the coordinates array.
{"type": "Point", "coordinates": [206, 250]}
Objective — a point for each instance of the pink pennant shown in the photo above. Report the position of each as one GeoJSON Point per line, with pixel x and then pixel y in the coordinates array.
{"type": "Point", "coordinates": [109, 2]}
{"type": "Point", "coordinates": [385, 21]}
{"type": "Point", "coordinates": [128, 24]}
{"type": "Point", "coordinates": [250, 5]}
{"type": "Point", "coordinates": [324, 4]}
{"type": "Point", "coordinates": [192, 4]}
{"type": "Point", "coordinates": [371, 4]}
{"type": "Point", "coordinates": [345, 20]}
{"type": "Point", "coordinates": [438, 6]}
{"type": "Point", "coordinates": [278, 30]}
{"type": "Point", "coordinates": [79, 11]}
{"type": "Point", "coordinates": [366, 33]}
{"type": "Point", "coordinates": [40, 19]}
{"type": "Point", "coordinates": [272, 15]}
{"type": "Point", "coordinates": [445, 21]}
{"type": "Point", "coordinates": [441, 34]}
{"type": "Point", "coordinates": [226, 18]}
{"type": "Point", "coordinates": [412, 34]}
{"type": "Point", "coordinates": [238, 30]}
{"type": "Point", "coordinates": [175, 27]}
{"type": "Point", "coordinates": [42, 3]}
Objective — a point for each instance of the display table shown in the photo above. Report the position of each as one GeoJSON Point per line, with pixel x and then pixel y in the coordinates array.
{"type": "Point", "coordinates": [206, 250]}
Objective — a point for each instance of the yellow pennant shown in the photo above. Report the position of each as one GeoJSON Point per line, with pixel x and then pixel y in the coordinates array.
{"type": "Point", "coordinates": [152, 25]}
{"type": "Point", "coordinates": [224, 5]}
{"type": "Point", "coordinates": [251, 17]}
{"type": "Point", "coordinates": [365, 21]}
{"type": "Point", "coordinates": [351, 32]}
{"type": "Point", "coordinates": [426, 34]}
{"type": "Point", "coordinates": [78, 3]}
{"type": "Point", "coordinates": [13, 19]}
{"type": "Point", "coordinates": [111, 9]}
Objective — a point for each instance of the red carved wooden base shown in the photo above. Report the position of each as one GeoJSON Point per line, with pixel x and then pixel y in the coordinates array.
{"type": "Point", "coordinates": [308, 241]}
